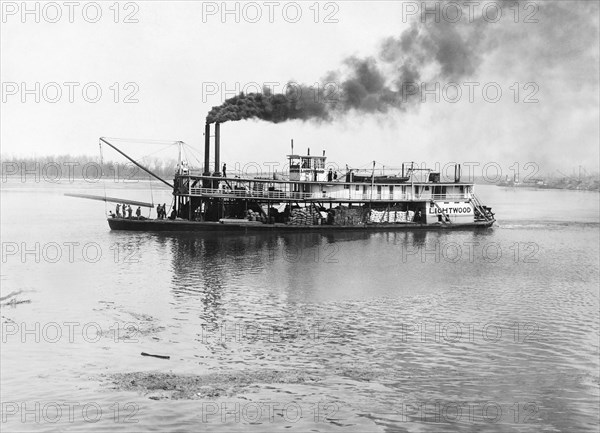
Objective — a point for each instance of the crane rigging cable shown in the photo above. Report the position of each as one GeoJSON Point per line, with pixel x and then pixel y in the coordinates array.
{"type": "Point", "coordinates": [104, 140]}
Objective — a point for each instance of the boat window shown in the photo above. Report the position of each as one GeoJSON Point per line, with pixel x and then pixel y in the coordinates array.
{"type": "Point", "coordinates": [391, 189]}
{"type": "Point", "coordinates": [357, 187]}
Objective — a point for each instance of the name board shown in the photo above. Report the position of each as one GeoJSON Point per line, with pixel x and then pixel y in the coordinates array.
{"type": "Point", "coordinates": [455, 209]}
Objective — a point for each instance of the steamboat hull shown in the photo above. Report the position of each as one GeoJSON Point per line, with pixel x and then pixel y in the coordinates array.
{"type": "Point", "coordinates": [196, 226]}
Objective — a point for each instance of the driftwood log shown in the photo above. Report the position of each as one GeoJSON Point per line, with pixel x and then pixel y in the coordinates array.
{"type": "Point", "coordinates": [156, 356]}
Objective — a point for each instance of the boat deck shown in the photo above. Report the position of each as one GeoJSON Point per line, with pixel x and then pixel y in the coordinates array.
{"type": "Point", "coordinates": [133, 224]}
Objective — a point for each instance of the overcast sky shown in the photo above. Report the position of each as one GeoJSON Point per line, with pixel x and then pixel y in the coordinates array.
{"type": "Point", "coordinates": [182, 58]}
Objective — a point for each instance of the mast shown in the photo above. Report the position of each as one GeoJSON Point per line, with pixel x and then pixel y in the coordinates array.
{"type": "Point", "coordinates": [179, 161]}
{"type": "Point", "coordinates": [372, 180]}
{"type": "Point", "coordinates": [103, 140]}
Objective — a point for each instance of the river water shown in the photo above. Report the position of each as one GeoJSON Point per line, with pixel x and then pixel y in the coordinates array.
{"type": "Point", "coordinates": [493, 330]}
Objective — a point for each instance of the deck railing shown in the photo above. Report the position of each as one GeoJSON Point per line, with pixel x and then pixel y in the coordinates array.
{"type": "Point", "coordinates": [333, 195]}
{"type": "Point", "coordinates": [451, 197]}
{"type": "Point", "coordinates": [243, 193]}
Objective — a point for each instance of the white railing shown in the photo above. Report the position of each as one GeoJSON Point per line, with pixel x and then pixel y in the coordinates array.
{"type": "Point", "coordinates": [450, 197]}
{"type": "Point", "coordinates": [243, 193]}
{"type": "Point", "coordinates": [332, 195]}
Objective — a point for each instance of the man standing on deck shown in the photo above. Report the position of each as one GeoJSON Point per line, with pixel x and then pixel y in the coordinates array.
{"type": "Point", "coordinates": [118, 210]}
{"type": "Point", "coordinates": [418, 217]}
{"type": "Point", "coordinates": [138, 213]}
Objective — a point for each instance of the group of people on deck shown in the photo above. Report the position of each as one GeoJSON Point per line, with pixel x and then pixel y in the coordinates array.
{"type": "Point", "coordinates": [161, 211]}
{"type": "Point", "coordinates": [125, 211]}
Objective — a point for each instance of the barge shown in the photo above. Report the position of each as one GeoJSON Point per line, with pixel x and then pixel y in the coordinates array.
{"type": "Point", "coordinates": [310, 196]}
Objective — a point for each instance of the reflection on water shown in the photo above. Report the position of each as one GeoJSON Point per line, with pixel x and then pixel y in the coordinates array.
{"type": "Point", "coordinates": [493, 330]}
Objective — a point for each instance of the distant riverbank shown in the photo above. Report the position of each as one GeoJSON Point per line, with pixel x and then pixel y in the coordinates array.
{"type": "Point", "coordinates": [62, 167]}
{"type": "Point", "coordinates": [587, 183]}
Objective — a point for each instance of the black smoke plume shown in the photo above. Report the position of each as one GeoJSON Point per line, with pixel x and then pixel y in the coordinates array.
{"type": "Point", "coordinates": [427, 52]}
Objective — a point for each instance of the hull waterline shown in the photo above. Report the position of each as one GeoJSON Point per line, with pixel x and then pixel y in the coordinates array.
{"type": "Point", "coordinates": [196, 226]}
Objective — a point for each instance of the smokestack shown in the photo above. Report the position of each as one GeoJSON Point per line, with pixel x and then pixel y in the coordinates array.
{"type": "Point", "coordinates": [217, 148]}
{"type": "Point", "coordinates": [207, 149]}
{"type": "Point", "coordinates": [456, 173]}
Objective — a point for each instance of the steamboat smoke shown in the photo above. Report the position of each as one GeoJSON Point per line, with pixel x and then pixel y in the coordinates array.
{"type": "Point", "coordinates": [437, 51]}
{"type": "Point", "coordinates": [430, 51]}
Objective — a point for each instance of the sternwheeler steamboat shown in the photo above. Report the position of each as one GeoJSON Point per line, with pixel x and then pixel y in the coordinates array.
{"type": "Point", "coordinates": [310, 197]}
